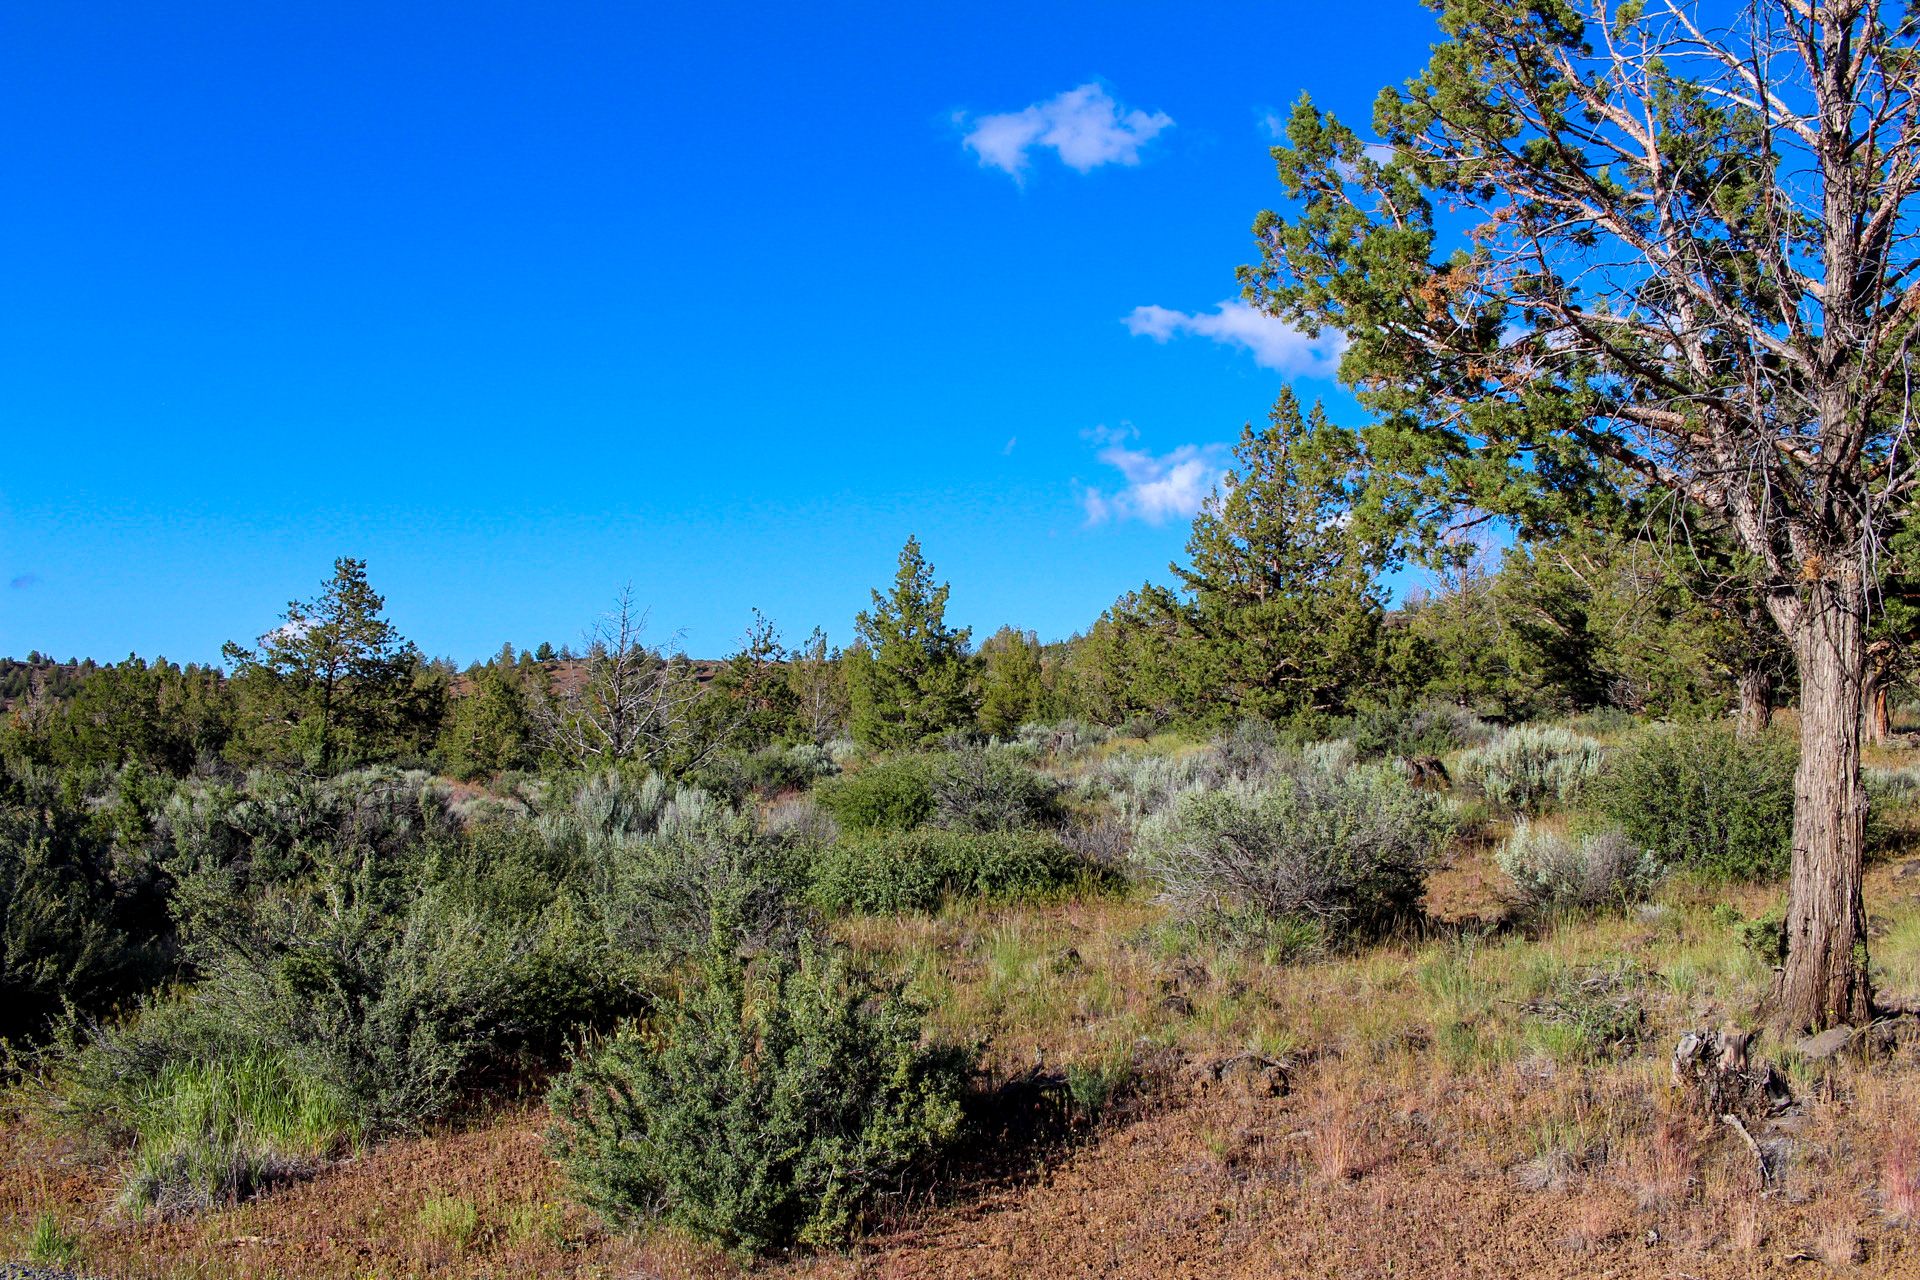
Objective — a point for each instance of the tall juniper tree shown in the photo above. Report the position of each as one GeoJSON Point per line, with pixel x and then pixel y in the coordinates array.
{"type": "Point", "coordinates": [1593, 236]}
{"type": "Point", "coordinates": [334, 683]}
{"type": "Point", "coordinates": [911, 675]}
{"type": "Point", "coordinates": [1285, 601]}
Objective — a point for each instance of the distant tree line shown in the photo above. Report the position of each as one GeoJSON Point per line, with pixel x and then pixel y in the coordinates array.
{"type": "Point", "coordinates": [1279, 611]}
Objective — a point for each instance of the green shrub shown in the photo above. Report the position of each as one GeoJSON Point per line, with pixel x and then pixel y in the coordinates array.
{"type": "Point", "coordinates": [1699, 796]}
{"type": "Point", "coordinates": [1345, 852]}
{"type": "Point", "coordinates": [770, 1106]}
{"type": "Point", "coordinates": [771, 771]}
{"type": "Point", "coordinates": [1529, 768]}
{"type": "Point", "coordinates": [1135, 785]}
{"type": "Point", "coordinates": [1766, 936]}
{"type": "Point", "coordinates": [392, 1011]}
{"type": "Point", "coordinates": [1551, 872]}
{"type": "Point", "coordinates": [985, 790]}
{"type": "Point", "coordinates": [918, 870]}
{"type": "Point", "coordinates": [1061, 742]}
{"type": "Point", "coordinates": [1397, 732]}
{"type": "Point", "coordinates": [82, 919]}
{"type": "Point", "coordinates": [888, 795]}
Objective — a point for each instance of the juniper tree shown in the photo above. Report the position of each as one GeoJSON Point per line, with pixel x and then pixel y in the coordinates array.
{"type": "Point", "coordinates": [334, 683]}
{"type": "Point", "coordinates": [1286, 605]}
{"type": "Point", "coordinates": [1594, 238]}
{"type": "Point", "coordinates": [911, 676]}
{"type": "Point", "coordinates": [1012, 680]}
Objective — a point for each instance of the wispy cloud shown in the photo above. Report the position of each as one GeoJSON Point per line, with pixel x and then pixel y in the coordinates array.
{"type": "Point", "coordinates": [1085, 127]}
{"type": "Point", "coordinates": [1158, 487]}
{"type": "Point", "coordinates": [1275, 344]}
{"type": "Point", "coordinates": [24, 582]}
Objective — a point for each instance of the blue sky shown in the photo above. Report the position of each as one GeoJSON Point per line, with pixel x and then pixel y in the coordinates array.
{"type": "Point", "coordinates": [522, 303]}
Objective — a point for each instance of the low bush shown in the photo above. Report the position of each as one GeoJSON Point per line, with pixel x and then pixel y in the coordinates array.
{"type": "Point", "coordinates": [771, 771]}
{"type": "Point", "coordinates": [1135, 785]}
{"type": "Point", "coordinates": [1398, 732]}
{"type": "Point", "coordinates": [985, 790]}
{"type": "Point", "coordinates": [770, 1105]}
{"type": "Point", "coordinates": [1699, 796]}
{"type": "Point", "coordinates": [1530, 768]}
{"type": "Point", "coordinates": [82, 922]}
{"type": "Point", "coordinates": [1548, 871]}
{"type": "Point", "coordinates": [888, 795]}
{"type": "Point", "coordinates": [919, 870]}
{"type": "Point", "coordinates": [1343, 853]}
{"type": "Point", "coordinates": [1249, 749]}
{"type": "Point", "coordinates": [1061, 742]}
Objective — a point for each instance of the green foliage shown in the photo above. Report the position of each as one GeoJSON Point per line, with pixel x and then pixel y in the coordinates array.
{"type": "Point", "coordinates": [1346, 853]}
{"type": "Point", "coordinates": [49, 1244]}
{"type": "Point", "coordinates": [1399, 732]}
{"type": "Point", "coordinates": [1529, 768]}
{"type": "Point", "coordinates": [817, 677]}
{"type": "Point", "coordinates": [1699, 796]}
{"type": "Point", "coordinates": [81, 923]}
{"type": "Point", "coordinates": [887, 795]}
{"type": "Point", "coordinates": [350, 924]}
{"type": "Point", "coordinates": [770, 771]}
{"type": "Point", "coordinates": [1550, 872]}
{"type": "Point", "coordinates": [911, 676]}
{"type": "Point", "coordinates": [1127, 668]}
{"type": "Point", "coordinates": [752, 701]}
{"type": "Point", "coordinates": [1766, 936]}
{"type": "Point", "coordinates": [989, 790]}
{"type": "Point", "coordinates": [770, 1105]}
{"type": "Point", "coordinates": [334, 684]}
{"type": "Point", "coordinates": [919, 870]}
{"type": "Point", "coordinates": [490, 727]}
{"type": "Point", "coordinates": [160, 716]}
{"type": "Point", "coordinates": [1012, 681]}
{"type": "Point", "coordinates": [216, 1131]}
{"type": "Point", "coordinates": [1285, 607]}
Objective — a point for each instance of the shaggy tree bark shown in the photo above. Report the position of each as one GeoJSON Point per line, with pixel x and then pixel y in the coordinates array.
{"type": "Point", "coordinates": [1679, 260]}
{"type": "Point", "coordinates": [1826, 968]}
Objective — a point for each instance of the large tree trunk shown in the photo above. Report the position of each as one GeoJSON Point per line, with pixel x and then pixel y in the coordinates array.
{"type": "Point", "coordinates": [1824, 982]}
{"type": "Point", "coordinates": [1756, 699]}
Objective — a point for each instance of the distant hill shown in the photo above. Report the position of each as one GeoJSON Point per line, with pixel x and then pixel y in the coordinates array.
{"type": "Point", "coordinates": [18, 676]}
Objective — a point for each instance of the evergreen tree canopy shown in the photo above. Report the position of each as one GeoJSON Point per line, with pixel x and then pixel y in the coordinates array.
{"type": "Point", "coordinates": [911, 675]}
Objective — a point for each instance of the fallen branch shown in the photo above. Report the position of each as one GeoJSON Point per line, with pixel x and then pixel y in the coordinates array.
{"type": "Point", "coordinates": [1759, 1156]}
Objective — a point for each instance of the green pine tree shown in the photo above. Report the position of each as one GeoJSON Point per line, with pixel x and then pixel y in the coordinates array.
{"type": "Point", "coordinates": [910, 676]}
{"type": "Point", "coordinates": [1285, 602]}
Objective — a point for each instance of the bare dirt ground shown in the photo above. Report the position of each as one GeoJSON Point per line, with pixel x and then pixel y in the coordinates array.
{"type": "Point", "coordinates": [1431, 1123]}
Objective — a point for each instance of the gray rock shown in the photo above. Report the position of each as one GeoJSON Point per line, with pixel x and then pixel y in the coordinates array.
{"type": "Point", "coordinates": [1827, 1044]}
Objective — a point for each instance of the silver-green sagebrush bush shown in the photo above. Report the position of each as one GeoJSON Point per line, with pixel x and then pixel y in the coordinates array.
{"type": "Point", "coordinates": [772, 1104]}
{"type": "Point", "coordinates": [1342, 855]}
{"type": "Point", "coordinates": [1549, 871]}
{"type": "Point", "coordinates": [1530, 768]}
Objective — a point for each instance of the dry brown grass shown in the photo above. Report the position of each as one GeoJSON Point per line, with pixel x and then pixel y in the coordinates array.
{"type": "Point", "coordinates": [1451, 1112]}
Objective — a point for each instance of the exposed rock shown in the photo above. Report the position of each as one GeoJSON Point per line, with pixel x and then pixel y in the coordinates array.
{"type": "Point", "coordinates": [1249, 1075]}
{"type": "Point", "coordinates": [1827, 1044]}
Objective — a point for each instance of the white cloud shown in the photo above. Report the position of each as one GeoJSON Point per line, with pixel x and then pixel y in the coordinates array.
{"type": "Point", "coordinates": [1159, 487]}
{"type": "Point", "coordinates": [1084, 126]}
{"type": "Point", "coordinates": [1275, 344]}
